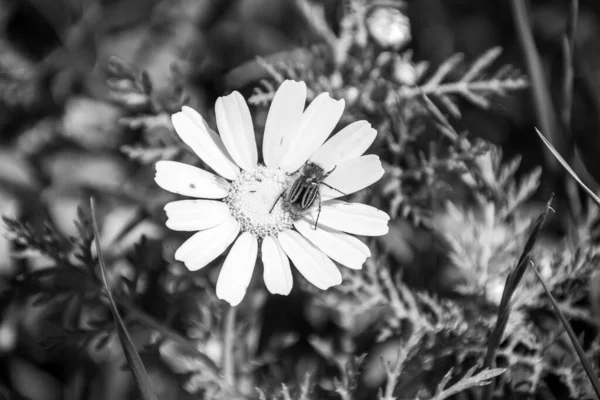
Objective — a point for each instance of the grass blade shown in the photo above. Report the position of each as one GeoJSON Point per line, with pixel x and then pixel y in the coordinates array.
{"type": "Point", "coordinates": [512, 282]}
{"type": "Point", "coordinates": [568, 47]}
{"type": "Point", "coordinates": [546, 116]}
{"type": "Point", "coordinates": [580, 353]}
{"type": "Point", "coordinates": [133, 358]}
{"type": "Point", "coordinates": [568, 168]}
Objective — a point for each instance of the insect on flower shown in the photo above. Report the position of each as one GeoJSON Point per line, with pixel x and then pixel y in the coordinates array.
{"type": "Point", "coordinates": [236, 209]}
{"type": "Point", "coordinates": [305, 189]}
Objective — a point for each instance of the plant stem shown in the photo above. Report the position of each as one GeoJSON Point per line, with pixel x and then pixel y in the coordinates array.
{"type": "Point", "coordinates": [541, 95]}
{"type": "Point", "coordinates": [459, 88]}
{"type": "Point", "coordinates": [228, 341]}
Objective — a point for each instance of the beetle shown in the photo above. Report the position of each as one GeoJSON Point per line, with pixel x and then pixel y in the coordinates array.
{"type": "Point", "coordinates": [305, 189]}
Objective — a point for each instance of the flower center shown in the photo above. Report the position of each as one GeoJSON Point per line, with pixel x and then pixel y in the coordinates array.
{"type": "Point", "coordinates": [255, 200]}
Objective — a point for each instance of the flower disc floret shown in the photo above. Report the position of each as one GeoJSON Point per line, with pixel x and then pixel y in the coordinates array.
{"type": "Point", "coordinates": [255, 200]}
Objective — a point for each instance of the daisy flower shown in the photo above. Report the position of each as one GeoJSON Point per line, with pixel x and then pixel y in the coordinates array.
{"type": "Point", "coordinates": [245, 201]}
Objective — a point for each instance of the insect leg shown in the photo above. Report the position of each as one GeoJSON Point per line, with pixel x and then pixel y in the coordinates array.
{"type": "Point", "coordinates": [319, 210]}
{"type": "Point", "coordinates": [276, 201]}
{"type": "Point", "coordinates": [331, 187]}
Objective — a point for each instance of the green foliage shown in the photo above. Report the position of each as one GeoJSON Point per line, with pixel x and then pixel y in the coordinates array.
{"type": "Point", "coordinates": [72, 292]}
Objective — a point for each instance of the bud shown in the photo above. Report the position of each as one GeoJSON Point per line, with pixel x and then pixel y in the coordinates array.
{"type": "Point", "coordinates": [405, 72]}
{"type": "Point", "coordinates": [389, 27]}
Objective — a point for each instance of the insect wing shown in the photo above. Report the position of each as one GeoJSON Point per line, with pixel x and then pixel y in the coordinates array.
{"type": "Point", "coordinates": [303, 193]}
{"type": "Point", "coordinates": [296, 190]}
{"type": "Point", "coordinates": [310, 194]}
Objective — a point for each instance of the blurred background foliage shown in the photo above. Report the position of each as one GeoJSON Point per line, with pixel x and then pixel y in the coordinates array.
{"type": "Point", "coordinates": [86, 91]}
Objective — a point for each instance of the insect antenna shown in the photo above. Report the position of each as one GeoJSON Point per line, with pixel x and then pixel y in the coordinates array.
{"type": "Point", "coordinates": [329, 173]}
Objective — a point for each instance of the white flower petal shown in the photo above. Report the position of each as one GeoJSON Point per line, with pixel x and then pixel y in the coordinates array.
{"type": "Point", "coordinates": [351, 142]}
{"type": "Point", "coordinates": [194, 132]}
{"type": "Point", "coordinates": [277, 273]}
{"type": "Point", "coordinates": [315, 266]}
{"type": "Point", "coordinates": [188, 180]}
{"type": "Point", "coordinates": [196, 215]}
{"type": "Point", "coordinates": [355, 218]}
{"type": "Point", "coordinates": [235, 126]}
{"type": "Point", "coordinates": [235, 275]}
{"type": "Point", "coordinates": [351, 176]}
{"type": "Point", "coordinates": [284, 118]}
{"type": "Point", "coordinates": [319, 119]}
{"type": "Point", "coordinates": [204, 246]}
{"type": "Point", "coordinates": [343, 248]}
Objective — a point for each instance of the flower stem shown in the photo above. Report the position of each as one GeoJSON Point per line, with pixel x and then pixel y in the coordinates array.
{"type": "Point", "coordinates": [228, 339]}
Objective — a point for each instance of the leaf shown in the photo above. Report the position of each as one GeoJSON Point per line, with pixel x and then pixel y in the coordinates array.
{"type": "Point", "coordinates": [133, 358]}
{"type": "Point", "coordinates": [466, 382]}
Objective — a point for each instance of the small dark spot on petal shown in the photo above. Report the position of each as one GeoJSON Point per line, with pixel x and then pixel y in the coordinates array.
{"type": "Point", "coordinates": [192, 186]}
